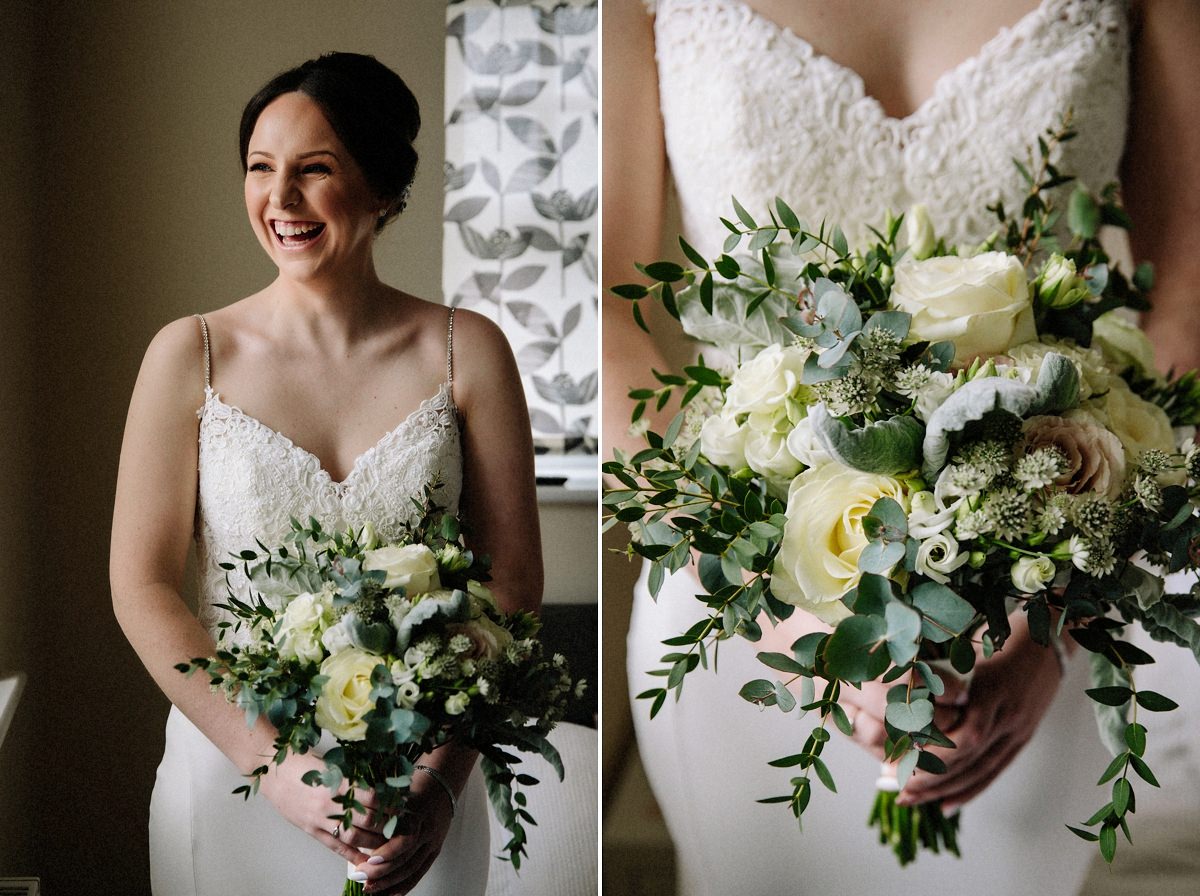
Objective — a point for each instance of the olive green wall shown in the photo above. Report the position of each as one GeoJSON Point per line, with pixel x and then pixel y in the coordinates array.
{"type": "Point", "coordinates": [121, 198]}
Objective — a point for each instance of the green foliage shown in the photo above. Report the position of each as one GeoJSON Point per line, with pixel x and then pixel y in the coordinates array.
{"type": "Point", "coordinates": [780, 283]}
{"type": "Point", "coordinates": [507, 701]}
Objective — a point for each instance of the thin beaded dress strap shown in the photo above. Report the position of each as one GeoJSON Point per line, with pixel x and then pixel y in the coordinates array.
{"type": "Point", "coordinates": [450, 355]}
{"type": "Point", "coordinates": [207, 355]}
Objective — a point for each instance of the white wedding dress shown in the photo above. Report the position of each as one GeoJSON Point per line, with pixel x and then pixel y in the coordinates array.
{"type": "Point", "coordinates": [751, 110]}
{"type": "Point", "coordinates": [252, 480]}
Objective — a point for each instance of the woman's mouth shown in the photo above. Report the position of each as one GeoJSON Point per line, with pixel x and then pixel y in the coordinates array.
{"type": "Point", "coordinates": [294, 234]}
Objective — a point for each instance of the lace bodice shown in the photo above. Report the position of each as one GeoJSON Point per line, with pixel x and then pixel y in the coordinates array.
{"type": "Point", "coordinates": [254, 480]}
{"type": "Point", "coordinates": [751, 109]}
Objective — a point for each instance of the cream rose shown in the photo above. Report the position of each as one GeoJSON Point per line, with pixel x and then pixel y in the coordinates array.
{"type": "Point", "coordinates": [303, 622]}
{"type": "Point", "coordinates": [346, 697]}
{"type": "Point", "coordinates": [723, 440]}
{"type": "Point", "coordinates": [981, 303]}
{"type": "Point", "coordinates": [1094, 375]}
{"type": "Point", "coordinates": [1095, 458]}
{"type": "Point", "coordinates": [1031, 574]}
{"type": "Point", "coordinates": [818, 557]}
{"type": "Point", "coordinates": [412, 567]}
{"type": "Point", "coordinates": [1124, 344]}
{"type": "Point", "coordinates": [1139, 424]}
{"type": "Point", "coordinates": [764, 384]}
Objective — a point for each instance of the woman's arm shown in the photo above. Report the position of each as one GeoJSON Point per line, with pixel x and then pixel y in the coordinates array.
{"type": "Point", "coordinates": [634, 187]}
{"type": "Point", "coordinates": [500, 519]}
{"type": "Point", "coordinates": [152, 526]}
{"type": "Point", "coordinates": [1161, 173]}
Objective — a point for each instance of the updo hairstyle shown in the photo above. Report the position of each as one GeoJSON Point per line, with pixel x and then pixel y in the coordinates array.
{"type": "Point", "coordinates": [369, 107]}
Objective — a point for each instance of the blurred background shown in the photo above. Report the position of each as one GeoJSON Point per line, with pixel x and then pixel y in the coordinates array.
{"type": "Point", "coordinates": [121, 197]}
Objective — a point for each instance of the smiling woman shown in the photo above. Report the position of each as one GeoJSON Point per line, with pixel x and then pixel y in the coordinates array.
{"type": "Point", "coordinates": [333, 357]}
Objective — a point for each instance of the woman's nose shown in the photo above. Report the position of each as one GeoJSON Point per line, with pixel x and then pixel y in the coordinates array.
{"type": "Point", "coordinates": [284, 192]}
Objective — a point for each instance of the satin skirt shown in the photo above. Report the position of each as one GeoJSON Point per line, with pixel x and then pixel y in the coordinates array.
{"type": "Point", "coordinates": [204, 841]}
{"type": "Point", "coordinates": [706, 757]}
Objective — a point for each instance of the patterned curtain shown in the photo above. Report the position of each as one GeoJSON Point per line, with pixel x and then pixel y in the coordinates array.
{"type": "Point", "coordinates": [521, 197]}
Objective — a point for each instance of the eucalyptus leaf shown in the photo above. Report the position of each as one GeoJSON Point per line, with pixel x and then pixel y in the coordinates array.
{"type": "Point", "coordinates": [855, 651]}
{"type": "Point", "coordinates": [910, 717]}
{"type": "Point", "coordinates": [946, 615]}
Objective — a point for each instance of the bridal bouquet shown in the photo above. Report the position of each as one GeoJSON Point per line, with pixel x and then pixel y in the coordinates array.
{"type": "Point", "coordinates": [394, 649]}
{"type": "Point", "coordinates": [910, 441]}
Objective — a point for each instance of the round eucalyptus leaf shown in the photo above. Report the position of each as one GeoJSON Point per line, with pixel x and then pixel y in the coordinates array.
{"type": "Point", "coordinates": [855, 650]}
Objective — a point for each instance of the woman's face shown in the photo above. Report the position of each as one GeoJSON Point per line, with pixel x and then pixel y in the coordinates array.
{"type": "Point", "coordinates": [308, 201]}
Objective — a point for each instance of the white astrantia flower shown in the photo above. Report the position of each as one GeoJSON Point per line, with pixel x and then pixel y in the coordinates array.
{"type": "Point", "coordinates": [1032, 574]}
{"type": "Point", "coordinates": [938, 556]}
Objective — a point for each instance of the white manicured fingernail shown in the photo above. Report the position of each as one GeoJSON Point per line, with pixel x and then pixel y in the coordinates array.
{"type": "Point", "coordinates": [358, 876]}
{"type": "Point", "coordinates": [376, 860]}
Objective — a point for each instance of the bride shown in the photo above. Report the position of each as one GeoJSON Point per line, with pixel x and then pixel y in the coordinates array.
{"type": "Point", "coordinates": [327, 393]}
{"type": "Point", "coordinates": [847, 111]}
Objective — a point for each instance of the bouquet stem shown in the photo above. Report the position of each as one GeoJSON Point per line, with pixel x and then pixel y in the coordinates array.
{"type": "Point", "coordinates": [907, 828]}
{"type": "Point", "coordinates": [352, 887]}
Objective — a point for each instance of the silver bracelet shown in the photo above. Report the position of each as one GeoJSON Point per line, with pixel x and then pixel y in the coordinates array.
{"type": "Point", "coordinates": [440, 778]}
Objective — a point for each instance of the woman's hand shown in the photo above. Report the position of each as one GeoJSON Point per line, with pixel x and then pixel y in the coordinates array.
{"type": "Point", "coordinates": [397, 865]}
{"type": "Point", "coordinates": [989, 723]}
{"type": "Point", "coordinates": [309, 808]}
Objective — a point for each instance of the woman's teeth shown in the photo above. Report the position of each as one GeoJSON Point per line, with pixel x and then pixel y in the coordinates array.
{"type": "Point", "coordinates": [296, 232]}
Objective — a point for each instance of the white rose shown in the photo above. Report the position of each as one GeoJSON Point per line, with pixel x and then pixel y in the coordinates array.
{"type": "Point", "coordinates": [1094, 375]}
{"type": "Point", "coordinates": [723, 440]}
{"type": "Point", "coordinates": [803, 444]}
{"type": "Point", "coordinates": [456, 704]}
{"type": "Point", "coordinates": [766, 382]}
{"type": "Point", "coordinates": [817, 561]}
{"type": "Point", "coordinates": [488, 639]}
{"type": "Point", "coordinates": [981, 303]}
{"type": "Point", "coordinates": [766, 449]}
{"type": "Point", "coordinates": [412, 567]}
{"type": "Point", "coordinates": [1139, 424]}
{"type": "Point", "coordinates": [408, 694]}
{"type": "Point", "coordinates": [938, 556]}
{"type": "Point", "coordinates": [345, 698]}
{"type": "Point", "coordinates": [299, 632]}
{"type": "Point", "coordinates": [1095, 458]}
{"type": "Point", "coordinates": [1031, 574]}
{"type": "Point", "coordinates": [337, 637]}
{"type": "Point", "coordinates": [1124, 344]}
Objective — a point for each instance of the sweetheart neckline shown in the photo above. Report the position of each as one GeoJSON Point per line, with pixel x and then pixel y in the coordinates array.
{"type": "Point", "coordinates": [988, 48]}
{"type": "Point", "coordinates": [340, 485]}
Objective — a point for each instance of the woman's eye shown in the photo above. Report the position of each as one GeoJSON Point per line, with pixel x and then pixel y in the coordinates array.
{"type": "Point", "coordinates": [260, 166]}
{"type": "Point", "coordinates": [317, 168]}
